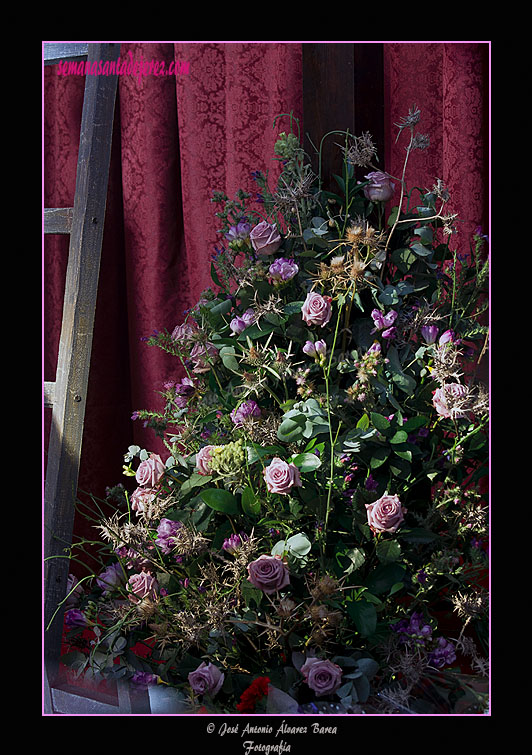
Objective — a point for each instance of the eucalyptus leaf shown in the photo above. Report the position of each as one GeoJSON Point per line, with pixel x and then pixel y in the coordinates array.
{"type": "Point", "coordinates": [220, 500]}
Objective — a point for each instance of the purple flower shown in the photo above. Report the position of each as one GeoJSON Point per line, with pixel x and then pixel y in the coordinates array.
{"type": "Point", "coordinates": [232, 543]}
{"type": "Point", "coordinates": [166, 535]}
{"type": "Point", "coordinates": [245, 410]}
{"type": "Point", "coordinates": [111, 578]}
{"type": "Point", "coordinates": [380, 188]}
{"type": "Point", "coordinates": [268, 573]}
{"type": "Point", "coordinates": [206, 679]}
{"type": "Point", "coordinates": [239, 231]}
{"type": "Point", "coordinates": [282, 270]}
{"type": "Point", "coordinates": [371, 484]}
{"type": "Point", "coordinates": [318, 350]}
{"type": "Point", "coordinates": [75, 618]}
{"type": "Point", "coordinates": [443, 655]}
{"type": "Point", "coordinates": [448, 337]}
{"type": "Point", "coordinates": [414, 631]}
{"type": "Point", "coordinates": [322, 676]}
{"type": "Point", "coordinates": [143, 679]}
{"type": "Point", "coordinates": [429, 333]}
{"type": "Point", "coordinates": [239, 323]}
{"type": "Point", "coordinates": [383, 321]}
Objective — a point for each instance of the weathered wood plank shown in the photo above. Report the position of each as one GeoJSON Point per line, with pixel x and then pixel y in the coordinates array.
{"type": "Point", "coordinates": [57, 220]}
{"type": "Point", "coordinates": [75, 345]}
{"type": "Point", "coordinates": [55, 51]}
{"type": "Point", "coordinates": [343, 86]}
{"type": "Point", "coordinates": [49, 393]}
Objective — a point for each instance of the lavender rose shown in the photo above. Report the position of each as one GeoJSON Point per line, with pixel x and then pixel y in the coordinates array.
{"type": "Point", "coordinates": [265, 238]}
{"type": "Point", "coordinates": [380, 187]}
{"type": "Point", "coordinates": [322, 676]}
{"type": "Point", "coordinates": [386, 514]}
{"type": "Point", "coordinates": [281, 477]}
{"type": "Point", "coordinates": [202, 460]}
{"type": "Point", "coordinates": [142, 586]}
{"type": "Point", "coordinates": [150, 471]}
{"type": "Point", "coordinates": [316, 309]}
{"type": "Point", "coordinates": [207, 679]}
{"type": "Point", "coordinates": [111, 577]}
{"type": "Point", "coordinates": [268, 573]}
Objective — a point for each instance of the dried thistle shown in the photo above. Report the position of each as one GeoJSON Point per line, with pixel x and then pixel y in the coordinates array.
{"type": "Point", "coordinates": [447, 363]}
{"type": "Point", "coordinates": [410, 120]}
{"type": "Point", "coordinates": [361, 151]}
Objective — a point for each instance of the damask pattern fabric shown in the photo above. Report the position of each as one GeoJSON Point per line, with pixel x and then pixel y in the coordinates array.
{"type": "Point", "coordinates": [448, 83]}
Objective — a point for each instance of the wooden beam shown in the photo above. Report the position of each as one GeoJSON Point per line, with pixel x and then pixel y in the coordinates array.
{"type": "Point", "coordinates": [343, 89]}
{"type": "Point", "coordinates": [58, 220]}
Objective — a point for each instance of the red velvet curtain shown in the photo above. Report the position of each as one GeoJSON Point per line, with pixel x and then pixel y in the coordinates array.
{"type": "Point", "coordinates": [176, 138]}
{"type": "Point", "coordinates": [449, 84]}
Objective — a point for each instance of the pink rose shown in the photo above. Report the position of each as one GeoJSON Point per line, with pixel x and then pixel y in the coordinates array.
{"type": "Point", "coordinates": [268, 573]}
{"type": "Point", "coordinates": [386, 514]}
{"type": "Point", "coordinates": [142, 586]}
{"type": "Point", "coordinates": [141, 498]}
{"type": "Point", "coordinates": [202, 460]}
{"type": "Point", "coordinates": [150, 471]}
{"type": "Point", "coordinates": [380, 187]}
{"type": "Point", "coordinates": [444, 398]}
{"type": "Point", "coordinates": [316, 309]}
{"type": "Point", "coordinates": [281, 477]}
{"type": "Point", "coordinates": [322, 676]}
{"type": "Point", "coordinates": [206, 679]}
{"type": "Point", "coordinates": [265, 238]}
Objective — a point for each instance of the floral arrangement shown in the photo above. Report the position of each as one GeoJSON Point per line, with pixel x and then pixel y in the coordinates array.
{"type": "Point", "coordinates": [316, 538]}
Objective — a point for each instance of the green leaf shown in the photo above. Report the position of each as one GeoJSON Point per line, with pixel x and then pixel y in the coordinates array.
{"type": "Point", "coordinates": [380, 422]}
{"type": "Point", "coordinates": [388, 551]}
{"type": "Point", "coordinates": [418, 535]}
{"type": "Point", "coordinates": [250, 502]}
{"type": "Point", "coordinates": [379, 457]}
{"type": "Point", "coordinates": [364, 615]}
{"type": "Point", "coordinates": [400, 437]}
{"type": "Point", "coordinates": [363, 422]}
{"type": "Point", "coordinates": [420, 250]}
{"type": "Point", "coordinates": [414, 423]}
{"type": "Point", "coordinates": [306, 462]}
{"type": "Point", "coordinates": [293, 307]}
{"type": "Point", "coordinates": [383, 577]}
{"type": "Point", "coordinates": [250, 593]}
{"type": "Point", "coordinates": [220, 500]}
{"type": "Point", "coordinates": [299, 545]}
{"type": "Point", "coordinates": [291, 428]}
{"type": "Point", "coordinates": [195, 480]}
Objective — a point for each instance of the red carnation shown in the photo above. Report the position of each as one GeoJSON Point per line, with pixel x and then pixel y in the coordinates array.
{"type": "Point", "coordinates": [251, 696]}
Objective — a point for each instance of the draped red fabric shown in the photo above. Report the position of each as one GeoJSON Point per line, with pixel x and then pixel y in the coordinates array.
{"type": "Point", "coordinates": [178, 138]}
{"type": "Point", "coordinates": [449, 84]}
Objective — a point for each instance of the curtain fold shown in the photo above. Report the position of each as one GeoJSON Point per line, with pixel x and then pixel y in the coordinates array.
{"type": "Point", "coordinates": [448, 82]}
{"type": "Point", "coordinates": [178, 138]}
